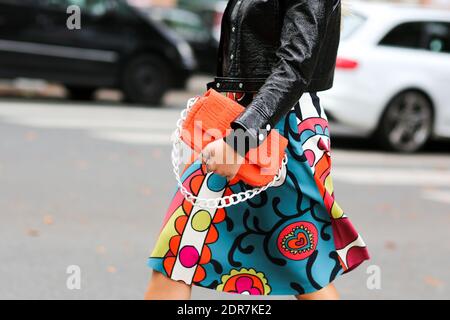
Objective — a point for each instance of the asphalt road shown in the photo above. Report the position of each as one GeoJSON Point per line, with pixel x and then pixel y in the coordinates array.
{"type": "Point", "coordinates": [88, 185]}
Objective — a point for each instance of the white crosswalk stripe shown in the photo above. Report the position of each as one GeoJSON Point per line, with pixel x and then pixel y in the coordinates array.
{"type": "Point", "coordinates": [392, 176]}
{"type": "Point", "coordinates": [153, 138]}
{"type": "Point", "coordinates": [120, 124]}
{"type": "Point", "coordinates": [437, 195]}
{"type": "Point", "coordinates": [141, 126]}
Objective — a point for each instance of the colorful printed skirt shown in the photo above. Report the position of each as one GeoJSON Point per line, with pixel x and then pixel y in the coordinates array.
{"type": "Point", "coordinates": [291, 239]}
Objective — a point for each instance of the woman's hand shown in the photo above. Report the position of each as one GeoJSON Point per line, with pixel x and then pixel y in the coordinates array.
{"type": "Point", "coordinates": [219, 157]}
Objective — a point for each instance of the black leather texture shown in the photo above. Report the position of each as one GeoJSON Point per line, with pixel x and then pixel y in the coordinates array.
{"type": "Point", "coordinates": [291, 44]}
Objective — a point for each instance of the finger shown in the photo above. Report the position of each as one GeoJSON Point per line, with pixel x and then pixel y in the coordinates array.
{"type": "Point", "coordinates": [204, 156]}
{"type": "Point", "coordinates": [210, 166]}
{"type": "Point", "coordinates": [231, 177]}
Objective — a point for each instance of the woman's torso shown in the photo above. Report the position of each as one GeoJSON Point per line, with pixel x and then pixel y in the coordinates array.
{"type": "Point", "coordinates": [250, 36]}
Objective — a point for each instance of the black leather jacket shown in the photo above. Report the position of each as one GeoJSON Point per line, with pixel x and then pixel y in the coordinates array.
{"type": "Point", "coordinates": [279, 49]}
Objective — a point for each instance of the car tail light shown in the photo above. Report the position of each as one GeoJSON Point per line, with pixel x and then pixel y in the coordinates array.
{"type": "Point", "coordinates": [344, 63]}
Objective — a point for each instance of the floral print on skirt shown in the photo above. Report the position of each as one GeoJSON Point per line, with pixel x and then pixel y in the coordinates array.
{"type": "Point", "coordinates": [293, 238]}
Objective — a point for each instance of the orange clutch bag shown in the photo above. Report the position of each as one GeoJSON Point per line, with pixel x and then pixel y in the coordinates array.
{"type": "Point", "coordinates": [209, 118]}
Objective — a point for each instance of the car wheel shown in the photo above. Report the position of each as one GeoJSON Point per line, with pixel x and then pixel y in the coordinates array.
{"type": "Point", "coordinates": [407, 123]}
{"type": "Point", "coordinates": [146, 80]}
{"type": "Point", "coordinates": [81, 93]}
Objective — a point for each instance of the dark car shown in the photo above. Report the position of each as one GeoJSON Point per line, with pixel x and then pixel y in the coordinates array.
{"type": "Point", "coordinates": [117, 46]}
{"type": "Point", "coordinates": [194, 30]}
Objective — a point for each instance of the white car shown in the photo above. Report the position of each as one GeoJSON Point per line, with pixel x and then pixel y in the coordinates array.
{"type": "Point", "coordinates": [392, 78]}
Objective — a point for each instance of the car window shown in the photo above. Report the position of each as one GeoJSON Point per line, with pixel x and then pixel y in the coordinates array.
{"type": "Point", "coordinates": [425, 35]}
{"type": "Point", "coordinates": [122, 8]}
{"type": "Point", "coordinates": [405, 35]}
{"type": "Point", "coordinates": [351, 23]}
{"type": "Point", "coordinates": [94, 7]}
{"type": "Point", "coordinates": [437, 36]}
{"type": "Point", "coordinates": [188, 24]}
